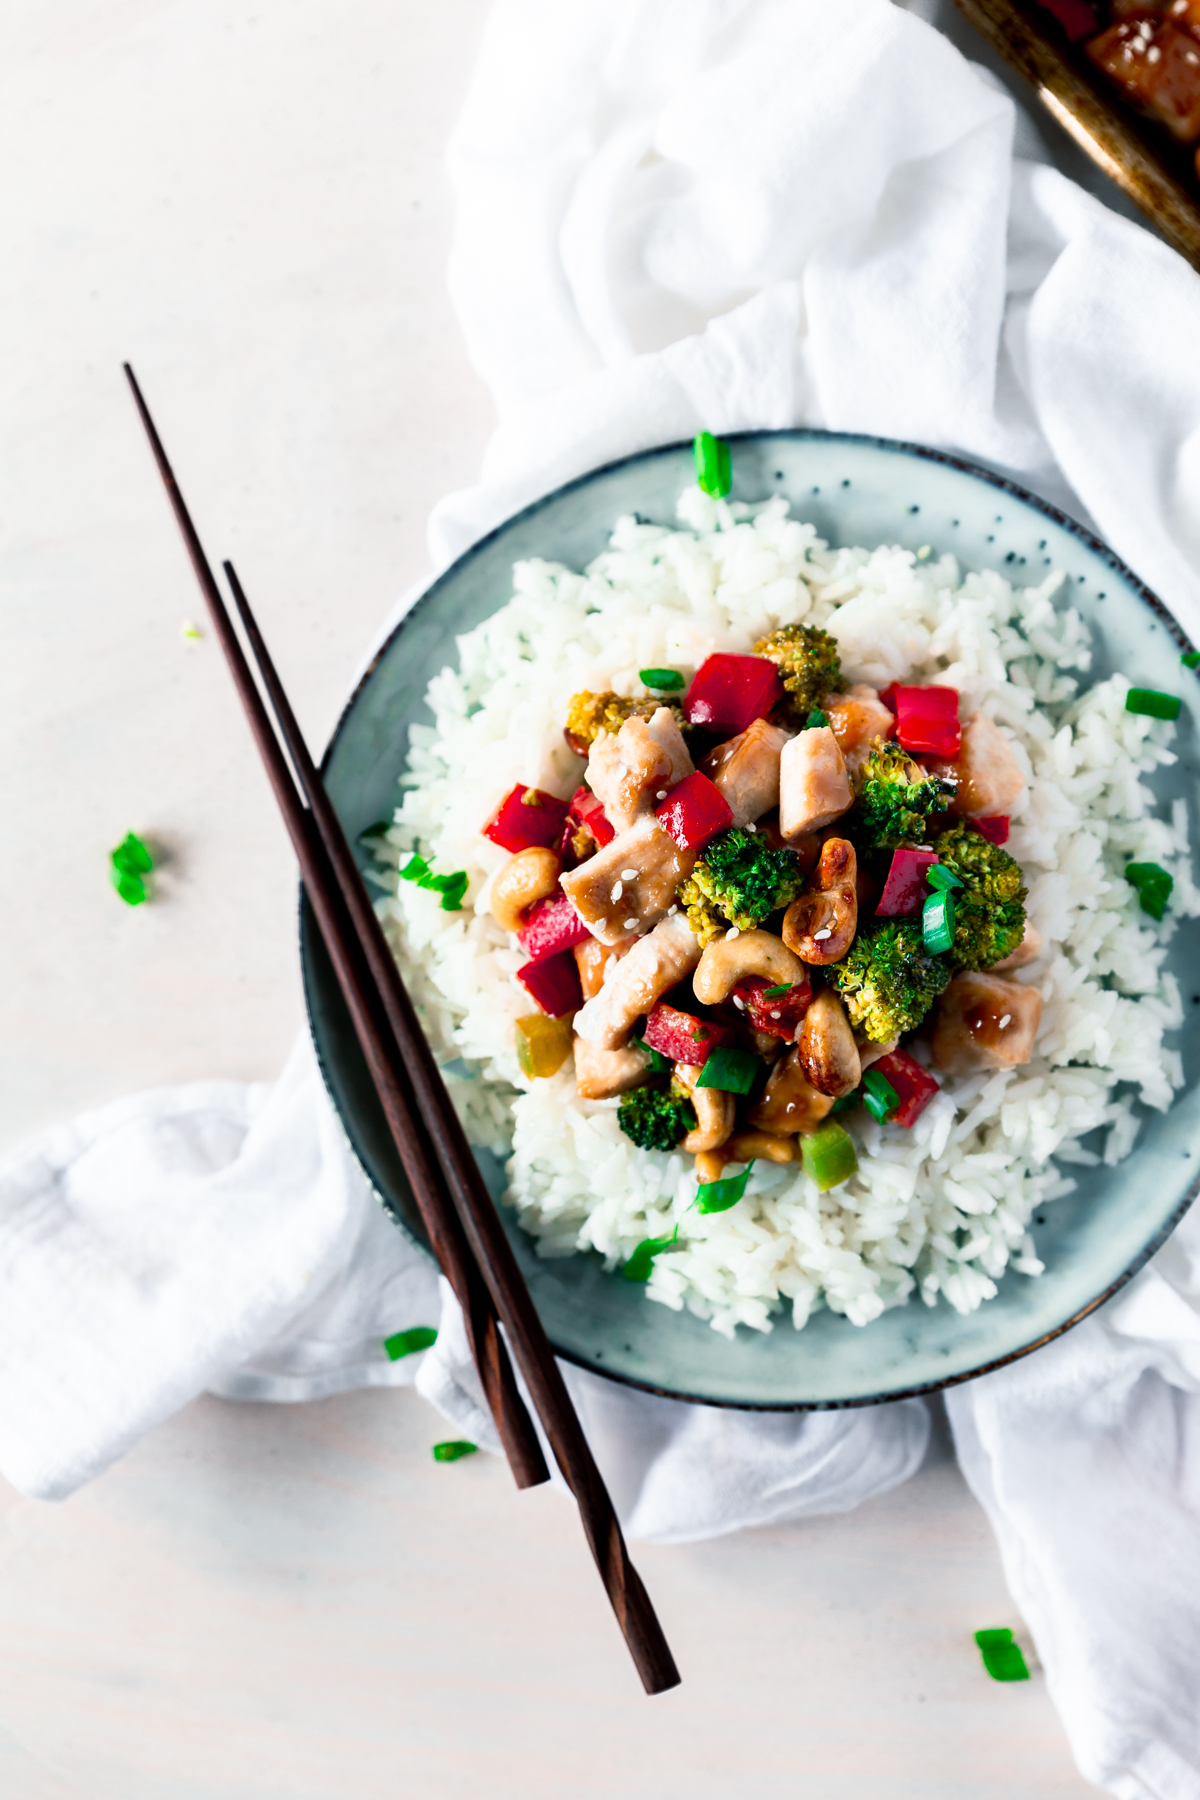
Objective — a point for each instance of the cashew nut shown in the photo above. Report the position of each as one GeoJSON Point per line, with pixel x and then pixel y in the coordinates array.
{"type": "Point", "coordinates": [729, 960]}
{"type": "Point", "coordinates": [789, 1102]}
{"type": "Point", "coordinates": [529, 876]}
{"type": "Point", "coordinates": [714, 1112]}
{"type": "Point", "coordinates": [826, 1048]}
{"type": "Point", "coordinates": [820, 923]}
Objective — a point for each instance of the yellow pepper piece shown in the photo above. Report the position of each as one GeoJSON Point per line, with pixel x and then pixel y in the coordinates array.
{"type": "Point", "coordinates": [543, 1045]}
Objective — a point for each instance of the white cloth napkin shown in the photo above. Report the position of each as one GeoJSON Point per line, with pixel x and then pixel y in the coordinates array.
{"type": "Point", "coordinates": [676, 214]}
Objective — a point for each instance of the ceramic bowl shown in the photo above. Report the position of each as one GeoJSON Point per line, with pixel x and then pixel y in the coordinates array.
{"type": "Point", "coordinates": [856, 490]}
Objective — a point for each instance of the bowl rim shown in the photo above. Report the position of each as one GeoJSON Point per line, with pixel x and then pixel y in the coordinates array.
{"type": "Point", "coordinates": [427, 596]}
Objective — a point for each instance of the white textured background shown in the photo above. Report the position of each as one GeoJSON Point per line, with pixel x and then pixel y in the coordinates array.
{"type": "Point", "coordinates": [267, 1603]}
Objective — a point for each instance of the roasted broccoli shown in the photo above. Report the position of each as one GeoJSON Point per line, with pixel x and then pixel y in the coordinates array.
{"type": "Point", "coordinates": [989, 910]}
{"type": "Point", "coordinates": [656, 1118]}
{"type": "Point", "coordinates": [739, 881]}
{"type": "Point", "coordinates": [808, 662]}
{"type": "Point", "coordinates": [889, 980]}
{"type": "Point", "coordinates": [897, 799]}
{"type": "Point", "coordinates": [590, 714]}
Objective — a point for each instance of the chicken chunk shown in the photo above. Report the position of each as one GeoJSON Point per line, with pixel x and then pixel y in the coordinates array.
{"type": "Point", "coordinates": [856, 718]}
{"type": "Point", "coordinates": [985, 769]}
{"type": "Point", "coordinates": [629, 885]}
{"type": "Point", "coordinates": [628, 773]}
{"type": "Point", "coordinates": [789, 1102]}
{"type": "Point", "coordinates": [599, 1074]}
{"type": "Point", "coordinates": [592, 959]}
{"type": "Point", "coordinates": [985, 1022]}
{"type": "Point", "coordinates": [746, 770]}
{"type": "Point", "coordinates": [814, 786]}
{"type": "Point", "coordinates": [655, 963]}
{"type": "Point", "coordinates": [1029, 947]}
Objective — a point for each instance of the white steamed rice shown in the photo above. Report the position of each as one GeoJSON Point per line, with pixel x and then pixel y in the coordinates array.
{"type": "Point", "coordinates": [943, 1208]}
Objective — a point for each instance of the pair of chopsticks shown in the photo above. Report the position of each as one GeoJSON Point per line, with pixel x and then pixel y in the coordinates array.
{"type": "Point", "coordinates": [459, 1216]}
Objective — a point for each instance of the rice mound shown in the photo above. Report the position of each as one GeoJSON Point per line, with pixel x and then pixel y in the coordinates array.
{"type": "Point", "coordinates": [943, 1208]}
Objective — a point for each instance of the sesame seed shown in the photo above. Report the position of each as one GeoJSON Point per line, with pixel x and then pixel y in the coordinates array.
{"type": "Point", "coordinates": [733, 932]}
{"type": "Point", "coordinates": [820, 936]}
{"type": "Point", "coordinates": [750, 825]}
{"type": "Point", "coordinates": [661, 794]}
{"type": "Point", "coordinates": [1153, 53]}
{"type": "Point", "coordinates": [1006, 1020]}
{"type": "Point", "coordinates": [618, 890]}
{"type": "Point", "coordinates": [739, 1003]}
{"type": "Point", "coordinates": [776, 1015]}
{"type": "Point", "coordinates": [629, 874]}
{"type": "Point", "coordinates": [631, 924]}
{"type": "Point", "coordinates": [671, 911]}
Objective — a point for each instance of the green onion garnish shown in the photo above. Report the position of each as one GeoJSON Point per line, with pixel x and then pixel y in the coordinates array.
{"type": "Point", "coordinates": [659, 1064]}
{"type": "Point", "coordinates": [450, 887]}
{"type": "Point", "coordinates": [1191, 659]}
{"type": "Point", "coordinates": [828, 1155]}
{"type": "Point", "coordinates": [731, 1070]}
{"type": "Point", "coordinates": [665, 680]}
{"type": "Point", "coordinates": [1153, 885]}
{"type": "Point", "coordinates": [939, 876]}
{"type": "Point", "coordinates": [847, 1103]}
{"type": "Point", "coordinates": [453, 1449]}
{"type": "Point", "coordinates": [815, 719]}
{"type": "Point", "coordinates": [937, 921]}
{"type": "Point", "coordinates": [416, 870]}
{"type": "Point", "coordinates": [130, 862]}
{"type": "Point", "coordinates": [879, 1096]}
{"type": "Point", "coordinates": [719, 1196]}
{"type": "Point", "coordinates": [407, 1343]}
{"type": "Point", "coordinates": [714, 470]}
{"type": "Point", "coordinates": [376, 830]}
{"type": "Point", "coordinates": [640, 1262]}
{"type": "Point", "coordinates": [1154, 705]}
{"type": "Point", "coordinates": [777, 993]}
{"type": "Point", "coordinates": [1003, 1660]}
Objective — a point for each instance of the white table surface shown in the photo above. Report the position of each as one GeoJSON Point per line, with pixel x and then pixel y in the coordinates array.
{"type": "Point", "coordinates": [265, 1603]}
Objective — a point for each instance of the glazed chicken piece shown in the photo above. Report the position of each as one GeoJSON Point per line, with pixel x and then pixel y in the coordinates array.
{"type": "Point", "coordinates": [631, 772]}
{"type": "Point", "coordinates": [985, 1022]}
{"type": "Point", "coordinates": [1029, 947]}
{"type": "Point", "coordinates": [856, 718]}
{"type": "Point", "coordinates": [985, 769]}
{"type": "Point", "coordinates": [599, 1074]}
{"type": "Point", "coordinates": [746, 770]}
{"type": "Point", "coordinates": [655, 963]}
{"type": "Point", "coordinates": [814, 786]}
{"type": "Point", "coordinates": [629, 885]}
{"type": "Point", "coordinates": [592, 959]}
{"type": "Point", "coordinates": [789, 1101]}
{"type": "Point", "coordinates": [1157, 66]}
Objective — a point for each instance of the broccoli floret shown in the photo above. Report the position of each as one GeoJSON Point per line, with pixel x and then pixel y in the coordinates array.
{"type": "Point", "coordinates": [989, 908]}
{"type": "Point", "coordinates": [897, 798]}
{"type": "Point", "coordinates": [889, 980]}
{"type": "Point", "coordinates": [808, 662]}
{"type": "Point", "coordinates": [740, 880]}
{"type": "Point", "coordinates": [590, 714]}
{"type": "Point", "coordinates": [656, 1118]}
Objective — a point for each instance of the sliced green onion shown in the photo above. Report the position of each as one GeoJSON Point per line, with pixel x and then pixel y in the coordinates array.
{"type": "Point", "coordinates": [815, 719]}
{"type": "Point", "coordinates": [777, 993]}
{"type": "Point", "coordinates": [450, 887]}
{"type": "Point", "coordinates": [732, 1071]}
{"type": "Point", "coordinates": [131, 856]}
{"type": "Point", "coordinates": [937, 921]}
{"type": "Point", "coordinates": [713, 466]}
{"type": "Point", "coordinates": [407, 1343]}
{"type": "Point", "coordinates": [1003, 1660]}
{"type": "Point", "coordinates": [131, 888]}
{"type": "Point", "coordinates": [847, 1103]}
{"type": "Point", "coordinates": [719, 1196]}
{"type": "Point", "coordinates": [1153, 885]}
{"type": "Point", "coordinates": [377, 830]}
{"type": "Point", "coordinates": [665, 680]}
{"type": "Point", "coordinates": [939, 876]}
{"type": "Point", "coordinates": [1191, 659]}
{"type": "Point", "coordinates": [416, 870]}
{"type": "Point", "coordinates": [453, 1449]}
{"type": "Point", "coordinates": [659, 1064]}
{"type": "Point", "coordinates": [828, 1155]}
{"type": "Point", "coordinates": [879, 1096]}
{"type": "Point", "coordinates": [1153, 704]}
{"type": "Point", "coordinates": [638, 1265]}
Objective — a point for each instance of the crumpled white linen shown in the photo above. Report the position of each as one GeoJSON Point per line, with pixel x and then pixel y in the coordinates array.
{"type": "Point", "coordinates": [731, 214]}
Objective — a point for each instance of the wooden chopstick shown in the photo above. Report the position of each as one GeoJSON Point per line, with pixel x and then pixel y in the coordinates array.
{"type": "Point", "coordinates": [338, 917]}
{"type": "Point", "coordinates": [513, 1424]}
{"type": "Point", "coordinates": [485, 1233]}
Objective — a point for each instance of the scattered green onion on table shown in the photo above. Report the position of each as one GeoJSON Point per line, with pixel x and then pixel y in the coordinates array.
{"type": "Point", "coordinates": [1003, 1660]}
{"type": "Point", "coordinates": [714, 468]}
{"type": "Point", "coordinates": [452, 1449]}
{"type": "Point", "coordinates": [407, 1343]}
{"type": "Point", "coordinates": [130, 863]}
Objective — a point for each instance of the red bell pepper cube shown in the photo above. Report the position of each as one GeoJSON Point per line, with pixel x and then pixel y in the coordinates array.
{"type": "Point", "coordinates": [778, 1015]}
{"type": "Point", "coordinates": [553, 983]}
{"type": "Point", "coordinates": [588, 810]}
{"type": "Point", "coordinates": [888, 696]}
{"type": "Point", "coordinates": [927, 719]}
{"type": "Point", "coordinates": [915, 1086]}
{"type": "Point", "coordinates": [995, 829]}
{"type": "Point", "coordinates": [683, 1037]}
{"type": "Point", "coordinates": [693, 812]}
{"type": "Point", "coordinates": [730, 692]}
{"type": "Point", "coordinates": [526, 816]}
{"type": "Point", "coordinates": [552, 925]}
{"type": "Point", "coordinates": [905, 890]}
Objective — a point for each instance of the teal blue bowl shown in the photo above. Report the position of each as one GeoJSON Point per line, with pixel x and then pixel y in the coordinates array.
{"type": "Point", "coordinates": [855, 490]}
